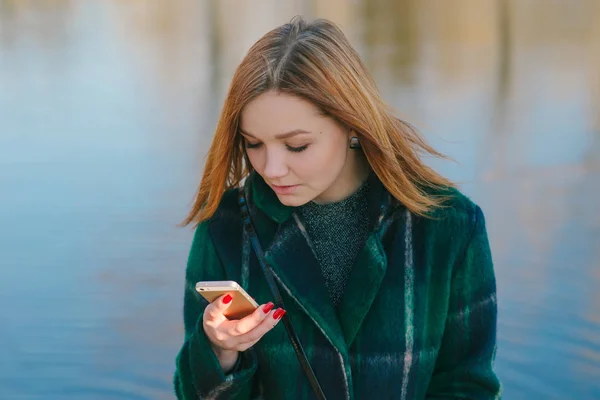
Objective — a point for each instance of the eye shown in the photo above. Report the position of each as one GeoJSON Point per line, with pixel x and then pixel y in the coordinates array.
{"type": "Point", "coordinates": [297, 149]}
{"type": "Point", "coordinates": [253, 145]}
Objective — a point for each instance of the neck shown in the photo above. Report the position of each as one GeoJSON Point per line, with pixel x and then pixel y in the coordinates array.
{"type": "Point", "coordinates": [352, 176]}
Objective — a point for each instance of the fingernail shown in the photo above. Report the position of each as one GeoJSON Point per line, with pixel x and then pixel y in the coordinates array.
{"type": "Point", "coordinates": [279, 313]}
{"type": "Point", "coordinates": [268, 307]}
{"type": "Point", "coordinates": [227, 299]}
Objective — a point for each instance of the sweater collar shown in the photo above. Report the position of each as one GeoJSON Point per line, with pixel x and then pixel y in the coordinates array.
{"type": "Point", "coordinates": [267, 201]}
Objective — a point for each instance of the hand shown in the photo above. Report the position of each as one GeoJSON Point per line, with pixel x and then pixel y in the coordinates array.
{"type": "Point", "coordinates": [229, 337]}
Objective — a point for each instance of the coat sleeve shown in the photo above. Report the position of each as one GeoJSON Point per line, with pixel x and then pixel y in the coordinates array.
{"type": "Point", "coordinates": [198, 374]}
{"type": "Point", "coordinates": [464, 366]}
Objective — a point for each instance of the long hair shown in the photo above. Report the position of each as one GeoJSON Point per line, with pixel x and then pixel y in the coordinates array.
{"type": "Point", "coordinates": [315, 61]}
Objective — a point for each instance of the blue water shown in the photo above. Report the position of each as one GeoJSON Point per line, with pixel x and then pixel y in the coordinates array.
{"type": "Point", "coordinates": [107, 110]}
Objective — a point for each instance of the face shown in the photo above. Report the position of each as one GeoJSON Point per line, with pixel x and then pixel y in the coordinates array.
{"type": "Point", "coordinates": [300, 153]}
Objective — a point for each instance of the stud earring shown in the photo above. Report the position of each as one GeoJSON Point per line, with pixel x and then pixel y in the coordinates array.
{"type": "Point", "coordinates": [354, 143]}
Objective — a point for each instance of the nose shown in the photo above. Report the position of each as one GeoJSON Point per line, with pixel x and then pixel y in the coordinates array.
{"type": "Point", "coordinates": [275, 165]}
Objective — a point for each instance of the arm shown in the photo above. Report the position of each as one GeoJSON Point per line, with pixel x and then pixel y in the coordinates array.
{"type": "Point", "coordinates": [464, 367]}
{"type": "Point", "coordinates": [198, 370]}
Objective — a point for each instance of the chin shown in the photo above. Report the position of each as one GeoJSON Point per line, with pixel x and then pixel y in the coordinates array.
{"type": "Point", "coordinates": [293, 201]}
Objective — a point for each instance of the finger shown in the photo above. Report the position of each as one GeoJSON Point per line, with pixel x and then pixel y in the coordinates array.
{"type": "Point", "coordinates": [265, 326]}
{"type": "Point", "coordinates": [226, 331]}
{"type": "Point", "coordinates": [249, 322]}
{"type": "Point", "coordinates": [246, 346]}
{"type": "Point", "coordinates": [214, 311]}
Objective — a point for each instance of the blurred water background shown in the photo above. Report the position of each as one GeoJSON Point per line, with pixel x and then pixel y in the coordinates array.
{"type": "Point", "coordinates": [107, 109]}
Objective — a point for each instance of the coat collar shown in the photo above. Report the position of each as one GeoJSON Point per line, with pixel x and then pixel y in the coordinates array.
{"type": "Point", "coordinates": [294, 263]}
{"type": "Point", "coordinates": [267, 201]}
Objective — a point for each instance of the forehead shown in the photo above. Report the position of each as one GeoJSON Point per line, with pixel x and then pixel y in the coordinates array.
{"type": "Point", "coordinates": [272, 113]}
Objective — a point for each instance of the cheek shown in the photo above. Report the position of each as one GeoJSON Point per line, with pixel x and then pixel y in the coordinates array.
{"type": "Point", "coordinates": [256, 160]}
{"type": "Point", "coordinates": [321, 164]}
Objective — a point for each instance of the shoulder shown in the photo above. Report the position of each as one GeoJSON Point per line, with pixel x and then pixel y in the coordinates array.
{"type": "Point", "coordinates": [451, 234]}
{"type": "Point", "coordinates": [457, 207]}
{"type": "Point", "coordinates": [227, 212]}
{"type": "Point", "coordinates": [228, 207]}
{"type": "Point", "coordinates": [223, 228]}
{"type": "Point", "coordinates": [456, 220]}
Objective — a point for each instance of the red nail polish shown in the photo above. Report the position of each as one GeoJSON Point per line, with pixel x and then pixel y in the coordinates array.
{"type": "Point", "coordinates": [279, 313]}
{"type": "Point", "coordinates": [227, 299]}
{"type": "Point", "coordinates": [268, 307]}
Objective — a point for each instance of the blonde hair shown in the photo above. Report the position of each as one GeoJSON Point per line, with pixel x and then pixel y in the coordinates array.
{"type": "Point", "coordinates": [315, 61]}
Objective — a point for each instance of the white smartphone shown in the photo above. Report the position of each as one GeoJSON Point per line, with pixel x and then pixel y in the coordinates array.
{"type": "Point", "coordinates": [242, 304]}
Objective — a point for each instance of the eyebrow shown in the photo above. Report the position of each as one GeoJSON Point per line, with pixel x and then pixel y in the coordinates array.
{"type": "Point", "coordinates": [284, 135]}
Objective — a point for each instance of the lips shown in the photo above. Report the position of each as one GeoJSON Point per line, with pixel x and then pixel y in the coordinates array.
{"type": "Point", "coordinates": [284, 189]}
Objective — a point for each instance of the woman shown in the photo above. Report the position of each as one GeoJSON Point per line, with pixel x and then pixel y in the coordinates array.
{"type": "Point", "coordinates": [384, 267]}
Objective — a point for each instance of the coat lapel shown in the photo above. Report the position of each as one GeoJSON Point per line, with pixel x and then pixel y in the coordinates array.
{"type": "Point", "coordinates": [293, 261]}
{"type": "Point", "coordinates": [371, 264]}
{"type": "Point", "coordinates": [363, 285]}
{"type": "Point", "coordinates": [295, 264]}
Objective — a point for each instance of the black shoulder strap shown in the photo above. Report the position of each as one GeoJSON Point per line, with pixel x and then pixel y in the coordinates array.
{"type": "Point", "coordinates": [249, 227]}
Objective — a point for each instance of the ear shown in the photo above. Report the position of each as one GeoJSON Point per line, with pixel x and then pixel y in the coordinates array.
{"type": "Point", "coordinates": [349, 134]}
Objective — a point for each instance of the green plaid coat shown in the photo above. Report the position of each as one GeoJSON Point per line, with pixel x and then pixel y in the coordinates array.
{"type": "Point", "coordinates": [417, 320]}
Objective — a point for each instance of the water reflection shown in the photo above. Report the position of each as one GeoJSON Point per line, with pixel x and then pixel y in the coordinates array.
{"type": "Point", "coordinates": [390, 42]}
{"type": "Point", "coordinates": [106, 112]}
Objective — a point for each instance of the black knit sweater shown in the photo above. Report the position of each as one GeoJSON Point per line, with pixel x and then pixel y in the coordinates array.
{"type": "Point", "coordinates": [337, 233]}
